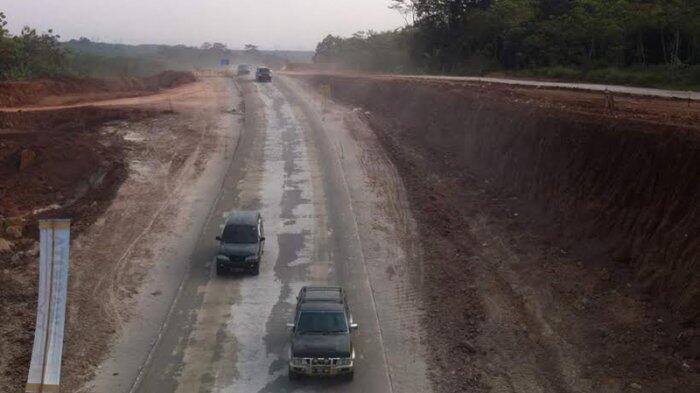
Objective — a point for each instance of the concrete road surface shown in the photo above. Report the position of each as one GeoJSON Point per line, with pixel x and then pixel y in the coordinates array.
{"type": "Point", "coordinates": [304, 163]}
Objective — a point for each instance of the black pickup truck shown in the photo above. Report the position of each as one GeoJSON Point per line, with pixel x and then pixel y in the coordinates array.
{"type": "Point", "coordinates": [263, 74]}
{"type": "Point", "coordinates": [321, 343]}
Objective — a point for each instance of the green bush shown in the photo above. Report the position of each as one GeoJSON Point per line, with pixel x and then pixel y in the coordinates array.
{"type": "Point", "coordinates": [29, 55]}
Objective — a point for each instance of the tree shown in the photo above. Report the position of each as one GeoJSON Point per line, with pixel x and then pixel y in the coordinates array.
{"type": "Point", "coordinates": [407, 9]}
{"type": "Point", "coordinates": [219, 47]}
{"type": "Point", "coordinates": [30, 54]}
{"type": "Point", "coordinates": [328, 49]}
{"type": "Point", "coordinates": [3, 23]}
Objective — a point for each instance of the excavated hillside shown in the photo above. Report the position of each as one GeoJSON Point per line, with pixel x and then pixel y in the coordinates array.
{"type": "Point", "coordinates": [561, 231]}
{"type": "Point", "coordinates": [69, 89]}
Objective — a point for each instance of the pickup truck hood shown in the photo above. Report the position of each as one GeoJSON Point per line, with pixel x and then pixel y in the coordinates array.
{"type": "Point", "coordinates": [321, 346]}
{"type": "Point", "coordinates": [243, 250]}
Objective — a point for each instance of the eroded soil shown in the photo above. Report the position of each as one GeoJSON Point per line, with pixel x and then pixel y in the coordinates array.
{"type": "Point", "coordinates": [539, 212]}
{"type": "Point", "coordinates": [117, 168]}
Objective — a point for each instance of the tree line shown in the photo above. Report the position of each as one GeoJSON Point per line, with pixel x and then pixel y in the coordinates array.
{"type": "Point", "coordinates": [29, 54]}
{"type": "Point", "coordinates": [477, 36]}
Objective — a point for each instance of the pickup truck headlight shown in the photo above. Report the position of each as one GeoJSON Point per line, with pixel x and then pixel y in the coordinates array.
{"type": "Point", "coordinates": [297, 361]}
{"type": "Point", "coordinates": [221, 259]}
{"type": "Point", "coordinates": [345, 362]}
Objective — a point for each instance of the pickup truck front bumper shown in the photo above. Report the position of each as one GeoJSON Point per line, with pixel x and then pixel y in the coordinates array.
{"type": "Point", "coordinates": [322, 366]}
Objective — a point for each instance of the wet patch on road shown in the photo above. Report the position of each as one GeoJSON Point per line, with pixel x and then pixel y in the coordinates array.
{"type": "Point", "coordinates": [266, 303]}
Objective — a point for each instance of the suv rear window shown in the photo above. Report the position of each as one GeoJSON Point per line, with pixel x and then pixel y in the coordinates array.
{"type": "Point", "coordinates": [240, 234]}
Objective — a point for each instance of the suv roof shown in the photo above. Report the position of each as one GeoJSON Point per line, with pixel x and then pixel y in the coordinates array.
{"type": "Point", "coordinates": [321, 294]}
{"type": "Point", "coordinates": [322, 306]}
{"type": "Point", "coordinates": [243, 217]}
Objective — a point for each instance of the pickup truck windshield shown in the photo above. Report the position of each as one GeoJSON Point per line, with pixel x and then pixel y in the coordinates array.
{"type": "Point", "coordinates": [321, 322]}
{"type": "Point", "coordinates": [240, 234]}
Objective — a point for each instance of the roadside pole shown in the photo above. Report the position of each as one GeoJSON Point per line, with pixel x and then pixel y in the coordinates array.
{"type": "Point", "coordinates": [326, 92]}
{"type": "Point", "coordinates": [45, 367]}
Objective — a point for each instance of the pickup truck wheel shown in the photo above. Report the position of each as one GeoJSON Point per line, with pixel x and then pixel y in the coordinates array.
{"type": "Point", "coordinates": [256, 269]}
{"type": "Point", "coordinates": [219, 270]}
{"type": "Point", "coordinates": [348, 377]}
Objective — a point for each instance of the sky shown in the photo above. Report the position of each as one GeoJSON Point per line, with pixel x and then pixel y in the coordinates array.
{"type": "Point", "coordinates": [270, 24]}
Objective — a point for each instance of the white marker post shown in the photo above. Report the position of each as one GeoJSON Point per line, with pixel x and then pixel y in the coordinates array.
{"type": "Point", "coordinates": [45, 368]}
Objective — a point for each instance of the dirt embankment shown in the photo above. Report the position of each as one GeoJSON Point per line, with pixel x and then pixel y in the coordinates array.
{"type": "Point", "coordinates": [120, 170]}
{"type": "Point", "coordinates": [71, 89]}
{"type": "Point", "coordinates": [562, 235]}
{"type": "Point", "coordinates": [52, 164]}
{"type": "Point", "coordinates": [57, 158]}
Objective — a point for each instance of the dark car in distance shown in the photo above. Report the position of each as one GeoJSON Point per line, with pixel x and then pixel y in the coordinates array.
{"type": "Point", "coordinates": [243, 69]}
{"type": "Point", "coordinates": [263, 74]}
{"type": "Point", "coordinates": [321, 340]}
{"type": "Point", "coordinates": [241, 244]}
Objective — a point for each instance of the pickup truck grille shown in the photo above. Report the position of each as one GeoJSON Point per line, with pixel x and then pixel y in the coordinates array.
{"type": "Point", "coordinates": [320, 361]}
{"type": "Point", "coordinates": [237, 258]}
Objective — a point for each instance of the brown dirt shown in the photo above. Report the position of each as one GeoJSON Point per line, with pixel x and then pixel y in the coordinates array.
{"type": "Point", "coordinates": [55, 176]}
{"type": "Point", "coordinates": [561, 241]}
{"type": "Point", "coordinates": [71, 89]}
{"type": "Point", "coordinates": [64, 161]}
{"type": "Point", "coordinates": [166, 156]}
{"type": "Point", "coordinates": [73, 171]}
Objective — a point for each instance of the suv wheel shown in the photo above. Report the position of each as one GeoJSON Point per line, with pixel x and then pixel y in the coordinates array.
{"type": "Point", "coordinates": [293, 376]}
{"type": "Point", "coordinates": [349, 376]}
{"type": "Point", "coordinates": [219, 270]}
{"type": "Point", "coordinates": [256, 269]}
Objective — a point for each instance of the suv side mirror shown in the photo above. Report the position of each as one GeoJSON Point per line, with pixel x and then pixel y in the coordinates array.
{"type": "Point", "coordinates": [262, 239]}
{"type": "Point", "coordinates": [354, 326]}
{"type": "Point", "coordinates": [218, 238]}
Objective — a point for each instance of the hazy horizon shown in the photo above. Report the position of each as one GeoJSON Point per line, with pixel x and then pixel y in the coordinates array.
{"type": "Point", "coordinates": [270, 24]}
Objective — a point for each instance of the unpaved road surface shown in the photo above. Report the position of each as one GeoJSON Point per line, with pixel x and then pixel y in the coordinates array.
{"type": "Point", "coordinates": [334, 215]}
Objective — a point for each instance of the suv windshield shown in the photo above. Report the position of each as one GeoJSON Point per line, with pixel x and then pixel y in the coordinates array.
{"type": "Point", "coordinates": [321, 322]}
{"type": "Point", "coordinates": [240, 234]}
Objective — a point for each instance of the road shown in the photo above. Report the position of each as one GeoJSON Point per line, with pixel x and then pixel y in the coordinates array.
{"type": "Point", "coordinates": [332, 216]}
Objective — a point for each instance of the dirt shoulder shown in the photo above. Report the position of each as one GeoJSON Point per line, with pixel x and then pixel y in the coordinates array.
{"type": "Point", "coordinates": [541, 215]}
{"type": "Point", "coordinates": [67, 90]}
{"type": "Point", "coordinates": [108, 168]}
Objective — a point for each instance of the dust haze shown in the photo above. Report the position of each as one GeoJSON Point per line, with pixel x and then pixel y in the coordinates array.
{"type": "Point", "coordinates": [270, 24]}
